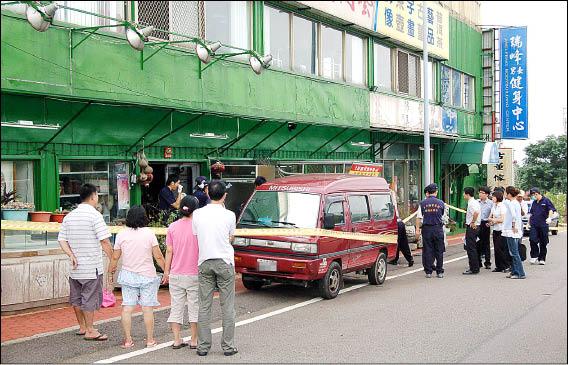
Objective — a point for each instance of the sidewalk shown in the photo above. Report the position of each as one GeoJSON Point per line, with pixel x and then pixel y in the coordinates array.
{"type": "Point", "coordinates": [44, 321]}
{"type": "Point", "coordinates": [19, 326]}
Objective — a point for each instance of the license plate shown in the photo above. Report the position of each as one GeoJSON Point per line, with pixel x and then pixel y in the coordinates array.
{"type": "Point", "coordinates": [266, 265]}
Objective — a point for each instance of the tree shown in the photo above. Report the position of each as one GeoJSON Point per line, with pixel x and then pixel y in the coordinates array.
{"type": "Point", "coordinates": [545, 165]}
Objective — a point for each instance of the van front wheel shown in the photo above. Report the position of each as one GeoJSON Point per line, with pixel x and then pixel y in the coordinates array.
{"type": "Point", "coordinates": [330, 284]}
{"type": "Point", "coordinates": [378, 272]}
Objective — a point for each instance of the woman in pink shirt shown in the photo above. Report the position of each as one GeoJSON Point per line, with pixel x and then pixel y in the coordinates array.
{"type": "Point", "coordinates": [138, 246]}
{"type": "Point", "coordinates": [182, 272]}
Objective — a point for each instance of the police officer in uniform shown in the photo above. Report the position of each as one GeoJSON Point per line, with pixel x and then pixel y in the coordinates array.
{"type": "Point", "coordinates": [432, 210]}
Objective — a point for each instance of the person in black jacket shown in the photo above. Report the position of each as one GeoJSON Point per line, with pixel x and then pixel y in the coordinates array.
{"type": "Point", "coordinates": [200, 191]}
{"type": "Point", "coordinates": [402, 245]}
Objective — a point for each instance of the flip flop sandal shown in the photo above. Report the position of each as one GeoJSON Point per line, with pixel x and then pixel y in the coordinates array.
{"type": "Point", "coordinates": [80, 334]}
{"type": "Point", "coordinates": [127, 345]}
{"type": "Point", "coordinates": [181, 345]}
{"type": "Point", "coordinates": [151, 344]}
{"type": "Point", "coordinates": [100, 337]}
{"type": "Point", "coordinates": [193, 347]}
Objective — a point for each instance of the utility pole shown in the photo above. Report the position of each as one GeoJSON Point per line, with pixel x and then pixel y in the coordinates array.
{"type": "Point", "coordinates": [426, 174]}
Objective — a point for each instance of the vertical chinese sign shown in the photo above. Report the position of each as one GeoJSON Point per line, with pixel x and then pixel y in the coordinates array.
{"type": "Point", "coordinates": [501, 173]}
{"type": "Point", "coordinates": [514, 98]}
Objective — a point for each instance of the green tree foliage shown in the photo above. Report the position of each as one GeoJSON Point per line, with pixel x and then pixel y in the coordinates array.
{"type": "Point", "coordinates": [545, 165]}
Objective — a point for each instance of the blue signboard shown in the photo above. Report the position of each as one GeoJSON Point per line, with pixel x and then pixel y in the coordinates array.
{"type": "Point", "coordinates": [450, 121]}
{"type": "Point", "coordinates": [514, 98]}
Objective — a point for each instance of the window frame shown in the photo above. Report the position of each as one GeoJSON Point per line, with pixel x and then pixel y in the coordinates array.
{"type": "Point", "coordinates": [393, 66]}
{"type": "Point", "coordinates": [376, 216]}
{"type": "Point", "coordinates": [368, 208]}
{"type": "Point", "coordinates": [419, 72]}
{"type": "Point", "coordinates": [365, 43]}
{"type": "Point", "coordinates": [333, 199]}
{"type": "Point", "coordinates": [291, 53]}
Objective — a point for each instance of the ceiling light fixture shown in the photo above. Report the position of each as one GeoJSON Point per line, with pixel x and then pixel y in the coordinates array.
{"type": "Point", "coordinates": [29, 124]}
{"type": "Point", "coordinates": [209, 135]}
{"type": "Point", "coordinates": [204, 52]}
{"type": "Point", "coordinates": [40, 18]}
{"type": "Point", "coordinates": [361, 144]}
{"type": "Point", "coordinates": [137, 37]}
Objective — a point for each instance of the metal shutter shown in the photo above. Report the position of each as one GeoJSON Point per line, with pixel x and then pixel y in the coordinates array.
{"type": "Point", "coordinates": [402, 72]}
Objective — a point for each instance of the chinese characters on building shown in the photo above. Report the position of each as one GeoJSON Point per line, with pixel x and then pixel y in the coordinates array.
{"type": "Point", "coordinates": [514, 106]}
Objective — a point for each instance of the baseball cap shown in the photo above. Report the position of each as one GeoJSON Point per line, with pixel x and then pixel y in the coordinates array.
{"type": "Point", "coordinates": [432, 188]}
{"type": "Point", "coordinates": [534, 191]}
{"type": "Point", "coordinates": [201, 179]}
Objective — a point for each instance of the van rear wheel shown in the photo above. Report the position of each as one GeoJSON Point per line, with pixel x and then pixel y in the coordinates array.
{"type": "Point", "coordinates": [330, 284]}
{"type": "Point", "coordinates": [378, 272]}
{"type": "Point", "coordinates": [251, 283]}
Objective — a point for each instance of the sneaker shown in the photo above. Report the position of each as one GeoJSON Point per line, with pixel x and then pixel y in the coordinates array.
{"type": "Point", "coordinates": [533, 261]}
{"type": "Point", "coordinates": [507, 270]}
{"type": "Point", "coordinates": [231, 352]}
{"type": "Point", "coordinates": [542, 262]}
{"type": "Point", "coordinates": [509, 275]}
{"type": "Point", "coordinates": [440, 275]}
{"type": "Point", "coordinates": [469, 272]}
{"type": "Point", "coordinates": [523, 277]}
{"type": "Point", "coordinates": [428, 276]}
{"type": "Point", "coordinates": [514, 277]}
{"type": "Point", "coordinates": [411, 263]}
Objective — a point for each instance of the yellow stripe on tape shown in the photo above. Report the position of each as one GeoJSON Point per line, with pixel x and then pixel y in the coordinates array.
{"type": "Point", "coordinates": [457, 209]}
{"type": "Point", "coordinates": [266, 232]}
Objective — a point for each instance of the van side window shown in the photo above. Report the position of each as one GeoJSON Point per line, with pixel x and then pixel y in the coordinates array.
{"type": "Point", "coordinates": [383, 208]}
{"type": "Point", "coordinates": [335, 208]}
{"type": "Point", "coordinates": [359, 208]}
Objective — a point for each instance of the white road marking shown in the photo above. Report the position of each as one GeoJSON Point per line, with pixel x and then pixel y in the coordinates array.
{"type": "Point", "coordinates": [258, 318]}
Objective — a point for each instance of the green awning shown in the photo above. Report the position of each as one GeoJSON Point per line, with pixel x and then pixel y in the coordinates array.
{"type": "Point", "coordinates": [462, 152]}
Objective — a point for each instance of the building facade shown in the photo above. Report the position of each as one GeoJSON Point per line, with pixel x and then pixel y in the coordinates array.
{"type": "Point", "coordinates": [80, 105]}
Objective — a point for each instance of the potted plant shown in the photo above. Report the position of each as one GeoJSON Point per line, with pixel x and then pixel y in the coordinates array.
{"type": "Point", "coordinates": [58, 215]}
{"type": "Point", "coordinates": [14, 210]}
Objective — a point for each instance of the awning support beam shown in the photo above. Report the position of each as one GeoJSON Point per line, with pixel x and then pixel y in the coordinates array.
{"type": "Point", "coordinates": [196, 117]}
{"type": "Point", "coordinates": [67, 124]}
{"type": "Point", "coordinates": [150, 130]}
{"type": "Point", "coordinates": [329, 141]}
{"type": "Point", "coordinates": [228, 145]}
{"type": "Point", "coordinates": [265, 138]}
{"type": "Point", "coordinates": [288, 141]}
{"type": "Point", "coordinates": [343, 144]}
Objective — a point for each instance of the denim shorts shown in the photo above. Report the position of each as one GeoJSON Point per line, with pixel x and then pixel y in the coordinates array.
{"type": "Point", "coordinates": [138, 289]}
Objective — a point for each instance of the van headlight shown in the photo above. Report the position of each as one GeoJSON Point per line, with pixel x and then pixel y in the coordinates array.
{"type": "Point", "coordinates": [241, 241]}
{"type": "Point", "coordinates": [305, 247]}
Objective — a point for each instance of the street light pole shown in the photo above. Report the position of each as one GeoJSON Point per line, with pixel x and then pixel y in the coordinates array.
{"type": "Point", "coordinates": [426, 174]}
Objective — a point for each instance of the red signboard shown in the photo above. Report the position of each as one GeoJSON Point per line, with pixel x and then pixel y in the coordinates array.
{"type": "Point", "coordinates": [168, 152]}
{"type": "Point", "coordinates": [366, 169]}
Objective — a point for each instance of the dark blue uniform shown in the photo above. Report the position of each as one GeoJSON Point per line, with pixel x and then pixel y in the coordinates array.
{"type": "Point", "coordinates": [539, 229]}
{"type": "Point", "coordinates": [432, 210]}
{"type": "Point", "coordinates": [202, 197]}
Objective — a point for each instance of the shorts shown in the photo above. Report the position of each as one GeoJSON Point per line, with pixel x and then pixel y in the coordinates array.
{"type": "Point", "coordinates": [138, 289]}
{"type": "Point", "coordinates": [86, 294]}
{"type": "Point", "coordinates": [184, 289]}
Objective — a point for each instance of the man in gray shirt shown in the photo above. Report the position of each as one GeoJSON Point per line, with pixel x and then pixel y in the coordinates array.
{"type": "Point", "coordinates": [483, 245]}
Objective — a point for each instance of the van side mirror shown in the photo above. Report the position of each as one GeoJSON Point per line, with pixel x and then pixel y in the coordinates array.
{"type": "Point", "coordinates": [328, 221]}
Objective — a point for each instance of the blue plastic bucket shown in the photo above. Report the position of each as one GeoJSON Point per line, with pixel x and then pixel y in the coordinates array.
{"type": "Point", "coordinates": [15, 214]}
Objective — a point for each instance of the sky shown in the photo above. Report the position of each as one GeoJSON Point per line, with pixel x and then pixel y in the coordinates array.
{"type": "Point", "coordinates": [546, 63]}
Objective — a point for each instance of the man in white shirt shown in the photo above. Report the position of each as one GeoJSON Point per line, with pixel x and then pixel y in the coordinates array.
{"type": "Point", "coordinates": [82, 235]}
{"type": "Point", "coordinates": [214, 227]}
{"type": "Point", "coordinates": [472, 221]}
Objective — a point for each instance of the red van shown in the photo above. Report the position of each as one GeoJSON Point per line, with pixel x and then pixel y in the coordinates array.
{"type": "Point", "coordinates": [346, 203]}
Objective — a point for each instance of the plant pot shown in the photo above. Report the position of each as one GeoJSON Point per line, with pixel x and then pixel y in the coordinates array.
{"type": "Point", "coordinates": [40, 216]}
{"type": "Point", "coordinates": [57, 217]}
{"type": "Point", "coordinates": [15, 214]}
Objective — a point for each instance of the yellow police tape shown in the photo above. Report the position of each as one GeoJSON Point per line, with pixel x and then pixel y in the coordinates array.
{"type": "Point", "coordinates": [266, 232]}
{"type": "Point", "coordinates": [405, 220]}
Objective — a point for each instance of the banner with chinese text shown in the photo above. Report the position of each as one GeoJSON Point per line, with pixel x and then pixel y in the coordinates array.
{"type": "Point", "coordinates": [399, 20]}
{"type": "Point", "coordinates": [366, 169]}
{"type": "Point", "coordinates": [514, 98]}
{"type": "Point", "coordinates": [402, 21]}
{"type": "Point", "coordinates": [501, 173]}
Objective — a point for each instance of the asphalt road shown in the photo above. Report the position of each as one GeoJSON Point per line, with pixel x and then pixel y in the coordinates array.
{"type": "Point", "coordinates": [465, 319]}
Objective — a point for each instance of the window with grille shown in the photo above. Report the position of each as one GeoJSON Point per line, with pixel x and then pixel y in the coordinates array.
{"type": "Point", "coordinates": [180, 17]}
{"type": "Point", "coordinates": [409, 74]}
{"type": "Point", "coordinates": [445, 85]}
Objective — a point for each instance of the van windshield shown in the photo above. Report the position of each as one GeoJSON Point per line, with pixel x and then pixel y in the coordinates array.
{"type": "Point", "coordinates": [280, 209]}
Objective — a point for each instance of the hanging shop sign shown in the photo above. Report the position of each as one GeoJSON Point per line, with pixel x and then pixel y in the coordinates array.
{"type": "Point", "coordinates": [389, 112]}
{"type": "Point", "coordinates": [366, 169]}
{"type": "Point", "coordinates": [400, 20]}
{"type": "Point", "coordinates": [168, 152]}
{"type": "Point", "coordinates": [514, 98]}
{"type": "Point", "coordinates": [501, 173]}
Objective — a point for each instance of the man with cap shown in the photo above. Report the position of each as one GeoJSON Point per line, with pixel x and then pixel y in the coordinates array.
{"type": "Point", "coordinates": [200, 192]}
{"type": "Point", "coordinates": [432, 210]}
{"type": "Point", "coordinates": [541, 213]}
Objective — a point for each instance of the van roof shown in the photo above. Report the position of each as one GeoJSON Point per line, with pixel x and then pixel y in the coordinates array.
{"type": "Point", "coordinates": [326, 183]}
